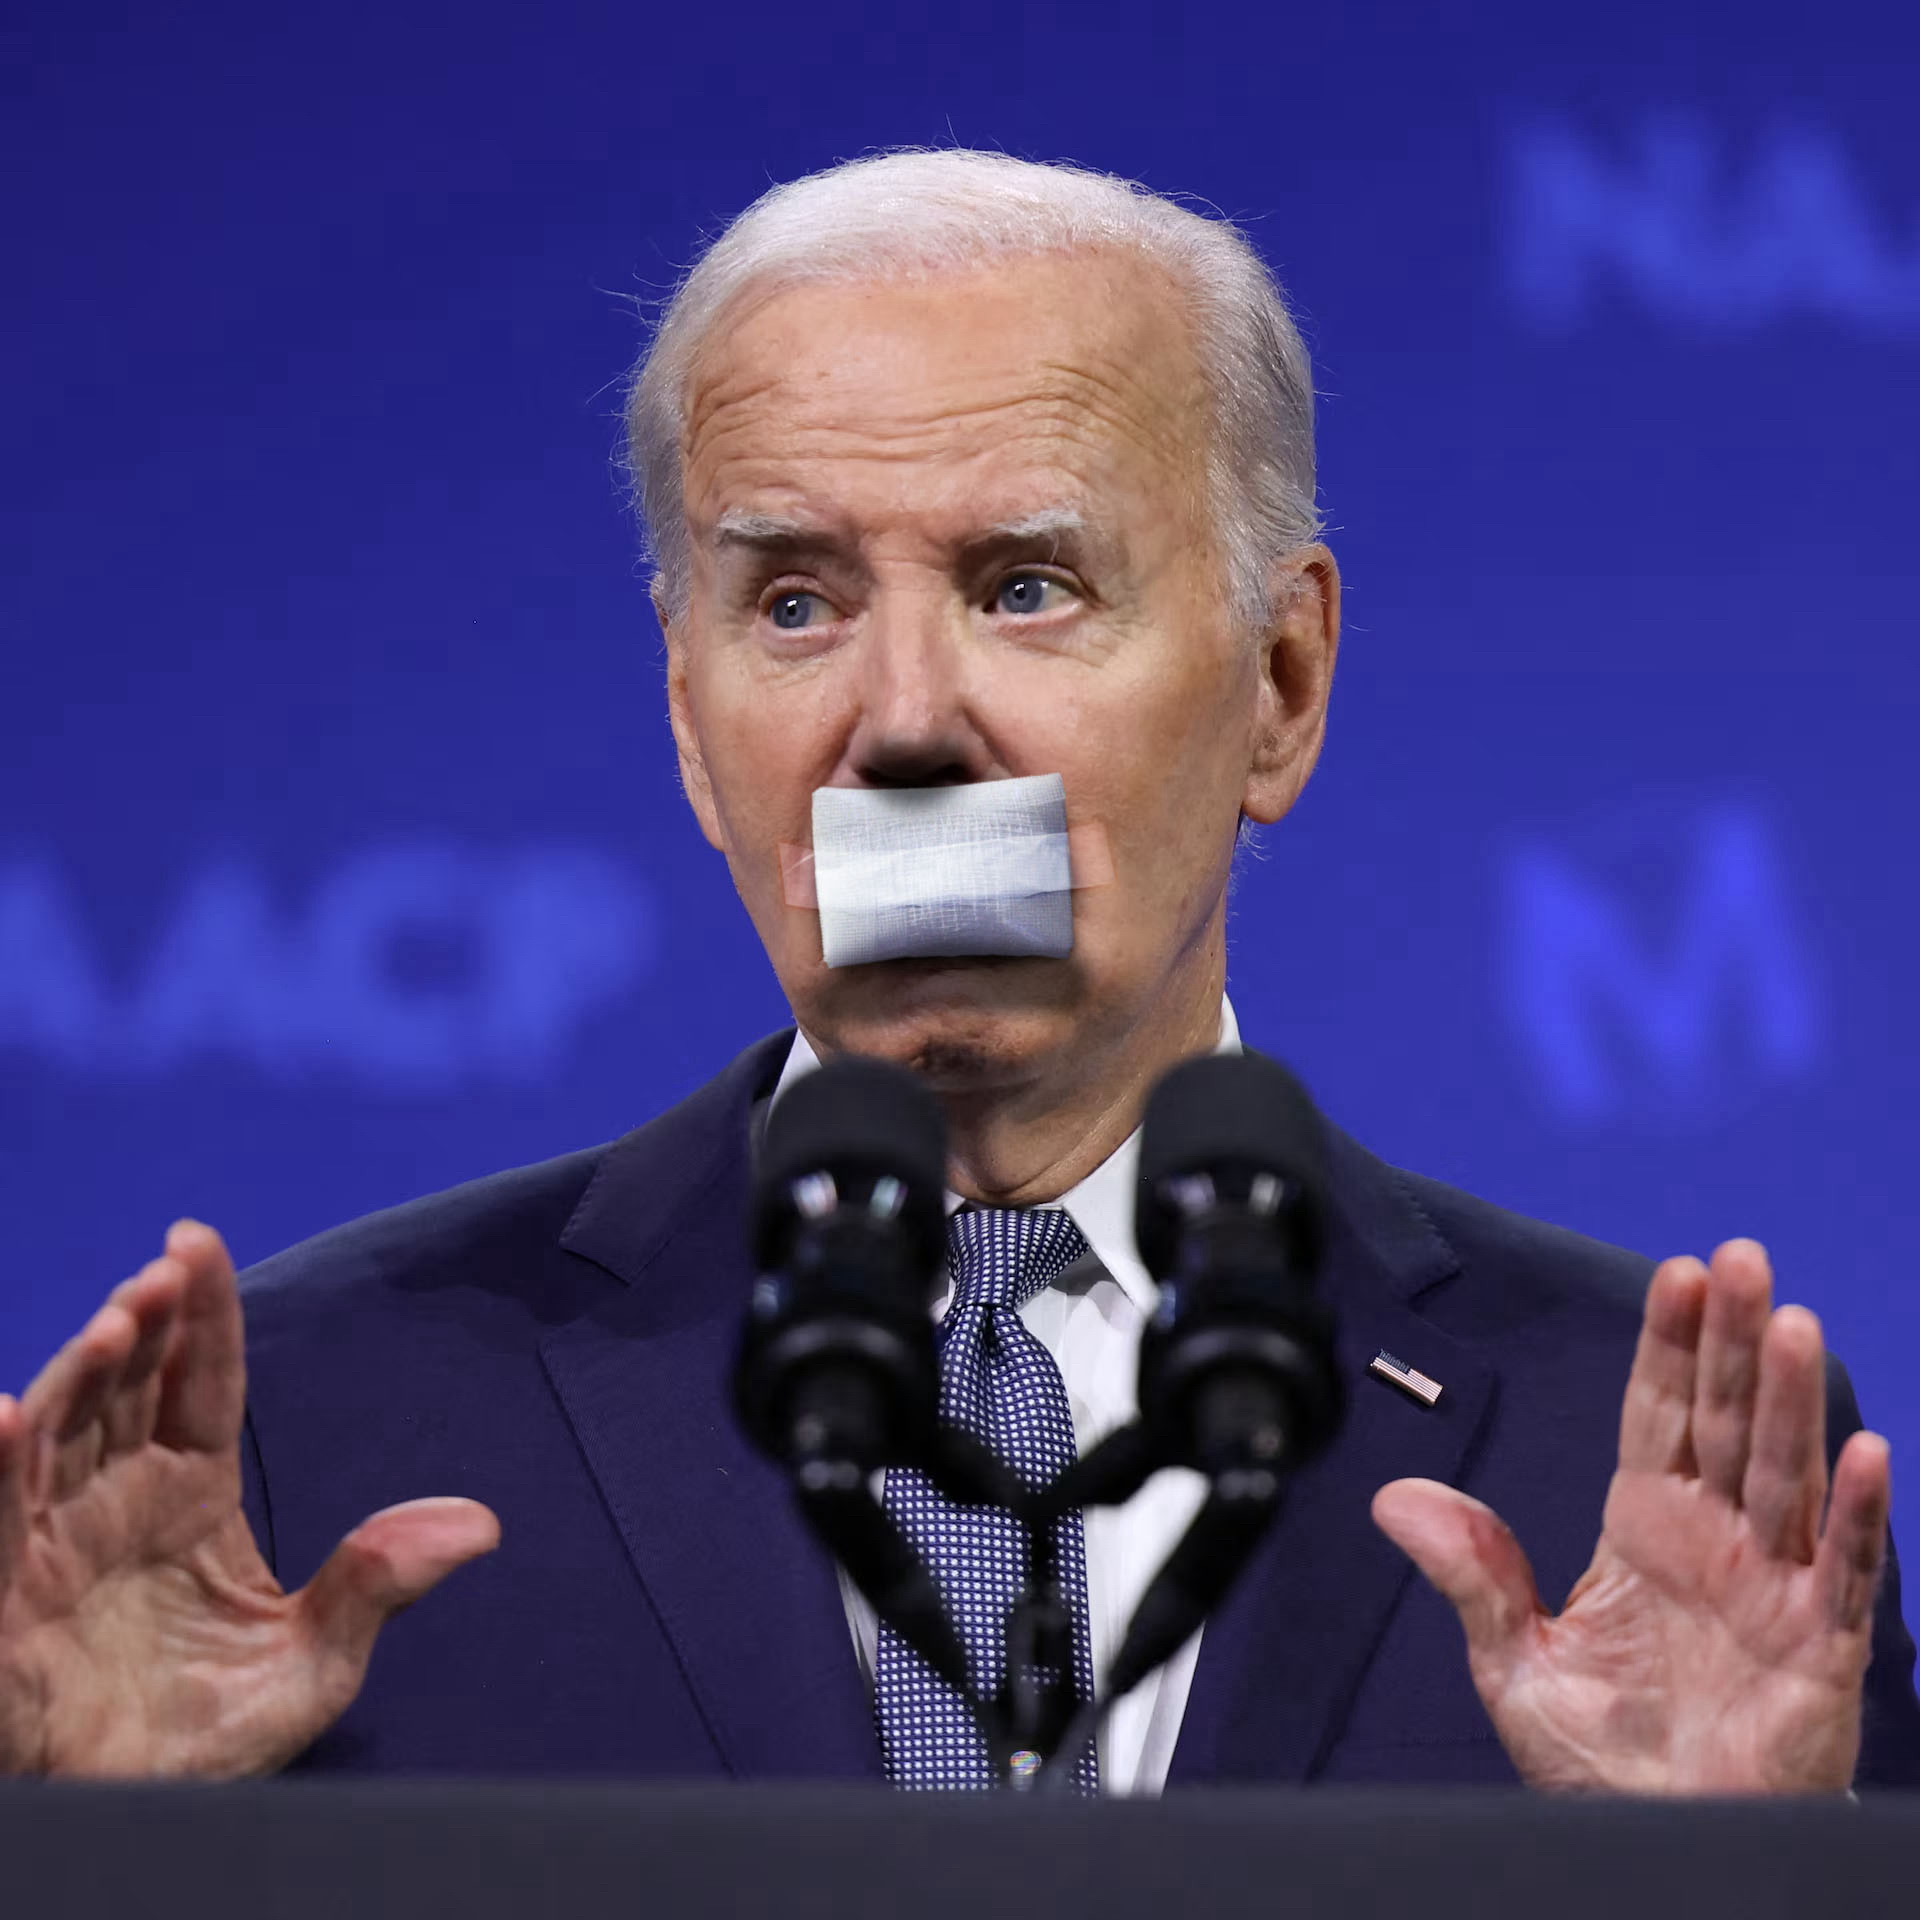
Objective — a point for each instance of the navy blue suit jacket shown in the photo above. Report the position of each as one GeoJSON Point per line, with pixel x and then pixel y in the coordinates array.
{"type": "Point", "coordinates": [555, 1342]}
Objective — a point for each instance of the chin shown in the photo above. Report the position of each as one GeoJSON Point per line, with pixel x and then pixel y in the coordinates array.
{"type": "Point", "coordinates": [960, 1025]}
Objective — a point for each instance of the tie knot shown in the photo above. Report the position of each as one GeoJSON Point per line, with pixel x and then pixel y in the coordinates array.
{"type": "Point", "coordinates": [1003, 1256]}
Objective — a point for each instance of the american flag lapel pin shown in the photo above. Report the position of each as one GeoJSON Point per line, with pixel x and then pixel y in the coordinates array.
{"type": "Point", "coordinates": [1383, 1366]}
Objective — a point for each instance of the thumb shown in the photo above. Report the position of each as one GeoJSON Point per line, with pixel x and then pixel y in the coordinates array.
{"type": "Point", "coordinates": [1469, 1553]}
{"type": "Point", "coordinates": [386, 1563]}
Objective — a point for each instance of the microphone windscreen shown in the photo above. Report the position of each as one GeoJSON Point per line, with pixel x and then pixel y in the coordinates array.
{"type": "Point", "coordinates": [853, 1112]}
{"type": "Point", "coordinates": [859, 1121]}
{"type": "Point", "coordinates": [1228, 1107]}
{"type": "Point", "coordinates": [1227, 1115]}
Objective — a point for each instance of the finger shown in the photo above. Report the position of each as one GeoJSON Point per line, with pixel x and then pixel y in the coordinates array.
{"type": "Point", "coordinates": [67, 1392]}
{"type": "Point", "coordinates": [386, 1563]}
{"type": "Point", "coordinates": [1739, 1299]}
{"type": "Point", "coordinates": [1786, 1477]}
{"type": "Point", "coordinates": [203, 1383]}
{"type": "Point", "coordinates": [1854, 1547]}
{"type": "Point", "coordinates": [50, 1400]}
{"type": "Point", "coordinates": [1656, 1417]}
{"type": "Point", "coordinates": [153, 1299]}
{"type": "Point", "coordinates": [13, 1487]}
{"type": "Point", "coordinates": [63, 1406]}
{"type": "Point", "coordinates": [1469, 1553]}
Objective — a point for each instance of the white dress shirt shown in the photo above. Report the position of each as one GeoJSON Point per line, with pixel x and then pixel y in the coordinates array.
{"type": "Point", "coordinates": [1090, 1319]}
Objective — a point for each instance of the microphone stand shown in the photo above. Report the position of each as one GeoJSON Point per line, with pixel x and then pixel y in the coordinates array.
{"type": "Point", "coordinates": [1241, 1505]}
{"type": "Point", "coordinates": [1039, 1694]}
{"type": "Point", "coordinates": [1025, 1721]}
{"type": "Point", "coordinates": [1037, 1725]}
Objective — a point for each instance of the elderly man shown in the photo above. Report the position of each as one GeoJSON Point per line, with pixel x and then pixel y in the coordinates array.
{"type": "Point", "coordinates": [958, 470]}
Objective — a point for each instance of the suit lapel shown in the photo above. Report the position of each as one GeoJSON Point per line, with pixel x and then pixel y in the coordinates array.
{"type": "Point", "coordinates": [750, 1603]}
{"type": "Point", "coordinates": [1281, 1661]}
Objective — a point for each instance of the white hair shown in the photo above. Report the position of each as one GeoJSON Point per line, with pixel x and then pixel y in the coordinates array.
{"type": "Point", "coordinates": [908, 214]}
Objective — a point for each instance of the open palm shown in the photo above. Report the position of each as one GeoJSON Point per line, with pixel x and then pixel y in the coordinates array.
{"type": "Point", "coordinates": [1718, 1640]}
{"type": "Point", "coordinates": [140, 1630]}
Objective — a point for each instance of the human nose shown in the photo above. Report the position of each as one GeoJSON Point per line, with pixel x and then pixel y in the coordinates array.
{"type": "Point", "coordinates": [915, 728]}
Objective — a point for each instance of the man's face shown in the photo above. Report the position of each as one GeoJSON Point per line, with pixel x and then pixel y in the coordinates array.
{"type": "Point", "coordinates": [959, 530]}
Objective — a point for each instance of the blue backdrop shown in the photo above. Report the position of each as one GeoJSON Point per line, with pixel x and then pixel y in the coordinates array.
{"type": "Point", "coordinates": [341, 855]}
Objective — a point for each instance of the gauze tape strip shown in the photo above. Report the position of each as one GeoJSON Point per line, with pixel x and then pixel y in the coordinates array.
{"type": "Point", "coordinates": [902, 873]}
{"type": "Point", "coordinates": [1089, 857]}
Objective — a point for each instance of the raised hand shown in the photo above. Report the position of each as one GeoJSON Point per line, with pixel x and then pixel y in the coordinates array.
{"type": "Point", "coordinates": [1718, 1640]}
{"type": "Point", "coordinates": [141, 1633]}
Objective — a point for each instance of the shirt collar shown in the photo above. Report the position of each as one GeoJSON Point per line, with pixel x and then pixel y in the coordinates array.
{"type": "Point", "coordinates": [1101, 1206]}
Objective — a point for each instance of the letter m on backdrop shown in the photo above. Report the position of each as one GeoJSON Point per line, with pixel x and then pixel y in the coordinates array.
{"type": "Point", "coordinates": [1626, 1001]}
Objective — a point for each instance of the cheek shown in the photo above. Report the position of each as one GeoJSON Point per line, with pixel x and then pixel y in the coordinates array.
{"type": "Point", "coordinates": [761, 747]}
{"type": "Point", "coordinates": [1166, 784]}
{"type": "Point", "coordinates": [1167, 753]}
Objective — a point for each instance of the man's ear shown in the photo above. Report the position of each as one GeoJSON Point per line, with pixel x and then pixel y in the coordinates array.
{"type": "Point", "coordinates": [686, 740]}
{"type": "Point", "coordinates": [1295, 667]}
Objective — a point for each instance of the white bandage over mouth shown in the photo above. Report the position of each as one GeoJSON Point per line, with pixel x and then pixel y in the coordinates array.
{"type": "Point", "coordinates": [904, 873]}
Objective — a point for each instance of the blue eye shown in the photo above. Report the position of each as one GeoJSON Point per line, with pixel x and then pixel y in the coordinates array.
{"type": "Point", "coordinates": [793, 611]}
{"type": "Point", "coordinates": [1027, 593]}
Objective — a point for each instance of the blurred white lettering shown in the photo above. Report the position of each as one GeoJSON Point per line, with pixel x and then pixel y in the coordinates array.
{"type": "Point", "coordinates": [1614, 1022]}
{"type": "Point", "coordinates": [417, 966]}
{"type": "Point", "coordinates": [1673, 223]}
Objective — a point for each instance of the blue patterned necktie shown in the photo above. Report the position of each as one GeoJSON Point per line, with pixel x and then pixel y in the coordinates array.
{"type": "Point", "coordinates": [1000, 1384]}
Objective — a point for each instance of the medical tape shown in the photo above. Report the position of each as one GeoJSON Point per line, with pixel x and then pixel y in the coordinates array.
{"type": "Point", "coordinates": [1089, 864]}
{"type": "Point", "coordinates": [928, 872]}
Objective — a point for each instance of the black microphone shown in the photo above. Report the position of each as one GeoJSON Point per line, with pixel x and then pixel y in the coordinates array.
{"type": "Point", "coordinates": [1236, 1365]}
{"type": "Point", "coordinates": [1237, 1370]}
{"type": "Point", "coordinates": [848, 1232]}
{"type": "Point", "coordinates": [836, 1374]}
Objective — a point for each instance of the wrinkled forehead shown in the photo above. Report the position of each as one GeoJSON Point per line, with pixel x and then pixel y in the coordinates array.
{"type": "Point", "coordinates": [1071, 375]}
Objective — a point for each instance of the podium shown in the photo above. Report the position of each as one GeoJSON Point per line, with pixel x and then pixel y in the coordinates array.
{"type": "Point", "coordinates": [410, 1850]}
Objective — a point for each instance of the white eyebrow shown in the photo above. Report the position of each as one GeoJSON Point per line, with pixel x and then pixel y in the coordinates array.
{"type": "Point", "coordinates": [760, 529]}
{"type": "Point", "coordinates": [741, 525]}
{"type": "Point", "coordinates": [1046, 523]}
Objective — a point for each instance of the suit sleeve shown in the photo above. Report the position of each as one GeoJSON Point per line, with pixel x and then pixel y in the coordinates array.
{"type": "Point", "coordinates": [1890, 1714]}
